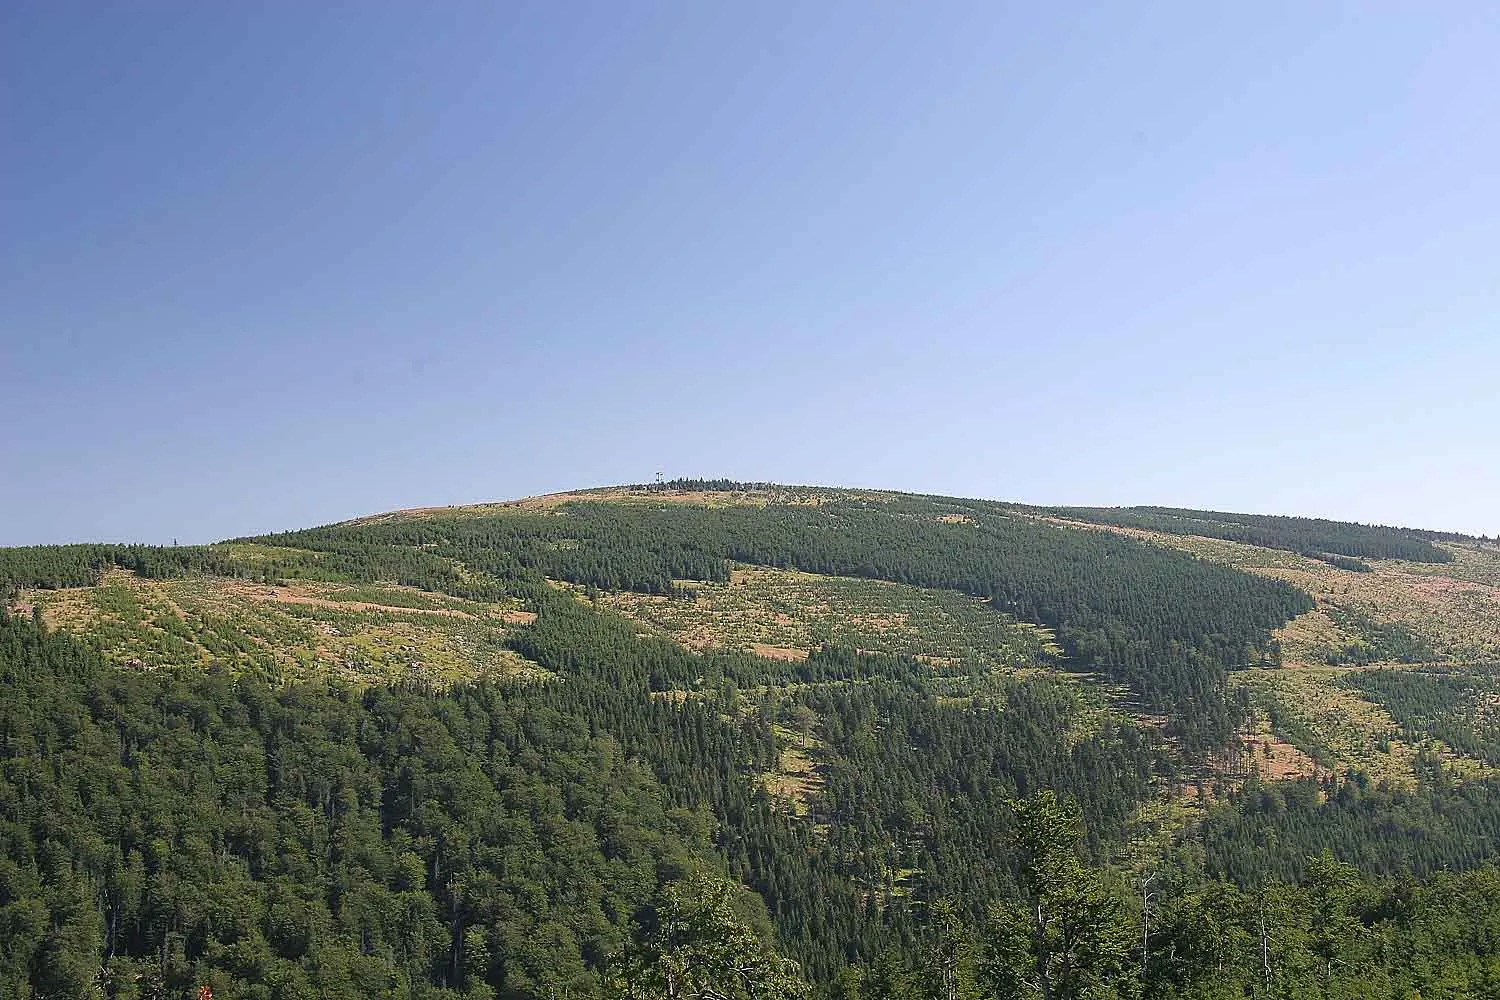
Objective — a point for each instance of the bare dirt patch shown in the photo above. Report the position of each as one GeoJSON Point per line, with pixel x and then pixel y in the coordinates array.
{"type": "Point", "coordinates": [778, 652]}
{"type": "Point", "coordinates": [1344, 729]}
{"type": "Point", "coordinates": [1276, 759]}
{"type": "Point", "coordinates": [1442, 587]}
{"type": "Point", "coordinates": [297, 595]}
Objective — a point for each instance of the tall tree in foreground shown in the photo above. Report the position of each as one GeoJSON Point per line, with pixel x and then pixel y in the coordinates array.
{"type": "Point", "coordinates": [693, 945]}
{"type": "Point", "coordinates": [1069, 939]}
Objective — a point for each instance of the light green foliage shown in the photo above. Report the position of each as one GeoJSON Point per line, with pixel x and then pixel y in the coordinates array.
{"type": "Point", "coordinates": [356, 633]}
{"type": "Point", "coordinates": [1067, 940]}
{"type": "Point", "coordinates": [1334, 930]}
{"type": "Point", "coordinates": [1457, 710]}
{"type": "Point", "coordinates": [693, 945]}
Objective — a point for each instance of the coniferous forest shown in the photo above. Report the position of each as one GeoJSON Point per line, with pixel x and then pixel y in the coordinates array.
{"type": "Point", "coordinates": [605, 826]}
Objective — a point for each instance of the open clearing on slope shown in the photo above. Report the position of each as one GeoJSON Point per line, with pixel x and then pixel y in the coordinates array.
{"type": "Point", "coordinates": [356, 633]}
{"type": "Point", "coordinates": [1337, 728]}
{"type": "Point", "coordinates": [785, 613]}
{"type": "Point", "coordinates": [795, 781]}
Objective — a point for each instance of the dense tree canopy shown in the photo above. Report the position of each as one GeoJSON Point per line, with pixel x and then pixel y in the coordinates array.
{"type": "Point", "coordinates": [163, 830]}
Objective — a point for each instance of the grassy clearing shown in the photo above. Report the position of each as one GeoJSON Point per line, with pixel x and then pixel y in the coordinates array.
{"type": "Point", "coordinates": [786, 613]}
{"type": "Point", "coordinates": [1333, 726]}
{"type": "Point", "coordinates": [795, 781]}
{"type": "Point", "coordinates": [359, 634]}
{"type": "Point", "coordinates": [256, 554]}
{"type": "Point", "coordinates": [1324, 713]}
{"type": "Point", "coordinates": [1475, 562]}
{"type": "Point", "coordinates": [1457, 619]}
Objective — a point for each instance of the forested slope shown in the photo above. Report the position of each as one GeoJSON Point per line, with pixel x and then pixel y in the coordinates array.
{"type": "Point", "coordinates": [421, 755]}
{"type": "Point", "coordinates": [1166, 624]}
{"type": "Point", "coordinates": [166, 832]}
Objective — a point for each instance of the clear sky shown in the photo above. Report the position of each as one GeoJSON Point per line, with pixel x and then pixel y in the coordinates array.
{"type": "Point", "coordinates": [269, 265]}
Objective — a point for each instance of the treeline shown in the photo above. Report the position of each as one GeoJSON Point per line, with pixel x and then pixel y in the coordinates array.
{"type": "Point", "coordinates": [1168, 625]}
{"type": "Point", "coordinates": [711, 486]}
{"type": "Point", "coordinates": [1345, 563]}
{"type": "Point", "coordinates": [1081, 932]}
{"type": "Point", "coordinates": [1269, 830]}
{"type": "Point", "coordinates": [1459, 707]}
{"type": "Point", "coordinates": [53, 567]}
{"type": "Point", "coordinates": [1309, 536]}
{"type": "Point", "coordinates": [621, 549]}
{"type": "Point", "coordinates": [1374, 641]}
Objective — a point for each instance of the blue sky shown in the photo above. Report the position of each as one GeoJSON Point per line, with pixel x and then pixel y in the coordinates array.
{"type": "Point", "coordinates": [265, 266]}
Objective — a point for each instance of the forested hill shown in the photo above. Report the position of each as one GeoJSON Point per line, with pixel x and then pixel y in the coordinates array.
{"type": "Point", "coordinates": [721, 739]}
{"type": "Point", "coordinates": [1166, 624]}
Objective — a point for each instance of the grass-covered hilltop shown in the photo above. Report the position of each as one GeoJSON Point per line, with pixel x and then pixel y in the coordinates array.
{"type": "Point", "coordinates": [719, 740]}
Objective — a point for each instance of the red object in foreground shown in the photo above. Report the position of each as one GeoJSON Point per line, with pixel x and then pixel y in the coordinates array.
{"type": "Point", "coordinates": [205, 993]}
